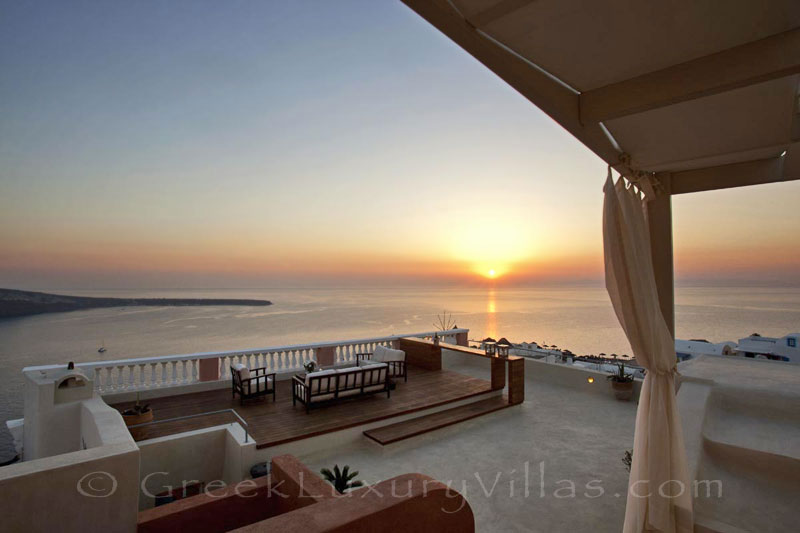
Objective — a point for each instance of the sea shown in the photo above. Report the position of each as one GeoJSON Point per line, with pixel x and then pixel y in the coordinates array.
{"type": "Point", "coordinates": [578, 318]}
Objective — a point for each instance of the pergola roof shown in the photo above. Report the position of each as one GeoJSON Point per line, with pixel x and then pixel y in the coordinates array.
{"type": "Point", "coordinates": [703, 93]}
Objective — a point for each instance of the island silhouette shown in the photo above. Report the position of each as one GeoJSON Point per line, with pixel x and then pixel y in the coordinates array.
{"type": "Point", "coordinates": [16, 303]}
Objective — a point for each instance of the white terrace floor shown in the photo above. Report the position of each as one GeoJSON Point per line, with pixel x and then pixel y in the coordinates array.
{"type": "Point", "coordinates": [573, 435]}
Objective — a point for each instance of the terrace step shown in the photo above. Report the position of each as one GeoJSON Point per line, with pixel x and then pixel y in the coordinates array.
{"type": "Point", "coordinates": [424, 424]}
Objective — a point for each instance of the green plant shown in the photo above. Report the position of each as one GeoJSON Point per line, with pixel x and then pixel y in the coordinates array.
{"type": "Point", "coordinates": [340, 479]}
{"type": "Point", "coordinates": [620, 376]}
{"type": "Point", "coordinates": [137, 408]}
{"type": "Point", "coordinates": [627, 459]}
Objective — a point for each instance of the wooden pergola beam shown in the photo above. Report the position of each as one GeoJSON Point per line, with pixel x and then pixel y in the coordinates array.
{"type": "Point", "coordinates": [766, 59]}
{"type": "Point", "coordinates": [497, 11]}
{"type": "Point", "coordinates": [544, 91]}
{"type": "Point", "coordinates": [771, 170]}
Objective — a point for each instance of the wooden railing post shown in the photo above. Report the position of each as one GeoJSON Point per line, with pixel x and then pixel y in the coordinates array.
{"type": "Point", "coordinates": [516, 380]}
{"type": "Point", "coordinates": [325, 355]}
{"type": "Point", "coordinates": [422, 353]}
{"type": "Point", "coordinates": [498, 373]}
{"type": "Point", "coordinates": [461, 339]}
{"type": "Point", "coordinates": [209, 369]}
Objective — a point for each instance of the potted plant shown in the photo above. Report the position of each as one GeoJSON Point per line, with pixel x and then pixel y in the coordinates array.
{"type": "Point", "coordinates": [310, 366]}
{"type": "Point", "coordinates": [340, 479]}
{"type": "Point", "coordinates": [622, 383]}
{"type": "Point", "coordinates": [627, 459]}
{"type": "Point", "coordinates": [138, 414]}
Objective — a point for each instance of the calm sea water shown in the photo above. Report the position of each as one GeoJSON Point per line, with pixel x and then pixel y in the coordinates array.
{"type": "Point", "coordinates": [578, 318]}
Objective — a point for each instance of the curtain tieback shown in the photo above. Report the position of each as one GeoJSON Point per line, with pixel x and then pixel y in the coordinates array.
{"type": "Point", "coordinates": [671, 372]}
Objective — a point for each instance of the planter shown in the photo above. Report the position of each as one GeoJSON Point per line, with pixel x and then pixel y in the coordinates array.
{"type": "Point", "coordinates": [623, 390]}
{"type": "Point", "coordinates": [141, 418]}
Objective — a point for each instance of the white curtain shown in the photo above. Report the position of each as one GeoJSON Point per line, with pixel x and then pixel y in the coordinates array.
{"type": "Point", "coordinates": [659, 495]}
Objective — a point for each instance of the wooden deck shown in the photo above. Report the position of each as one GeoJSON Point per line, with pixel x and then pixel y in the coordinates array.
{"type": "Point", "coordinates": [276, 423]}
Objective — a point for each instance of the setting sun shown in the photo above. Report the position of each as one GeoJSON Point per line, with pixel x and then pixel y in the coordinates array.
{"type": "Point", "coordinates": [492, 273]}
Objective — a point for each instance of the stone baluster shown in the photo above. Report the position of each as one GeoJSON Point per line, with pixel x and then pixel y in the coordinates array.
{"type": "Point", "coordinates": [120, 377]}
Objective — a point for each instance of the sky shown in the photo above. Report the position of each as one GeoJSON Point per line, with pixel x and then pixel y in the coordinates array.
{"type": "Point", "coordinates": [238, 144]}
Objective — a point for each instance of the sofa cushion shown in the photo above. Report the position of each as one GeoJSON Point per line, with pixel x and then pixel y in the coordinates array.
{"type": "Point", "coordinates": [243, 371]}
{"type": "Point", "coordinates": [382, 354]}
{"type": "Point", "coordinates": [263, 382]}
{"type": "Point", "coordinates": [375, 375]}
{"type": "Point", "coordinates": [349, 377]}
{"type": "Point", "coordinates": [318, 373]}
{"type": "Point", "coordinates": [321, 385]}
{"type": "Point", "coordinates": [322, 397]}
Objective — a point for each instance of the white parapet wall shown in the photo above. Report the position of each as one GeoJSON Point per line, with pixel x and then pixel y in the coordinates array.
{"type": "Point", "coordinates": [80, 465]}
{"type": "Point", "coordinates": [164, 375]}
{"type": "Point", "coordinates": [216, 456]}
{"type": "Point", "coordinates": [740, 419]}
{"type": "Point", "coordinates": [97, 483]}
{"type": "Point", "coordinates": [574, 377]}
{"type": "Point", "coordinates": [563, 374]}
{"type": "Point", "coordinates": [88, 490]}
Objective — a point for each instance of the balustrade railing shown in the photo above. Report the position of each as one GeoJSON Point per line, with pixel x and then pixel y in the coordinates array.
{"type": "Point", "coordinates": [125, 375]}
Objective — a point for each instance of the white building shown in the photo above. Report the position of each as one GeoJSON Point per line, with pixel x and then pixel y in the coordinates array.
{"type": "Point", "coordinates": [776, 348]}
{"type": "Point", "coordinates": [696, 347]}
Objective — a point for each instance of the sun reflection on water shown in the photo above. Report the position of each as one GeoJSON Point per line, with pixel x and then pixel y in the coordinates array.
{"type": "Point", "coordinates": [491, 317]}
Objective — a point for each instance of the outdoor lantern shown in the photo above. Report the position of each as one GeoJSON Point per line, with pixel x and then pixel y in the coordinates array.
{"type": "Point", "coordinates": [502, 349]}
{"type": "Point", "coordinates": [490, 347]}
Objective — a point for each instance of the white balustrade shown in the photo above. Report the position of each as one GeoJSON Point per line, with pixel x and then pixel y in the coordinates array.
{"type": "Point", "coordinates": [179, 370]}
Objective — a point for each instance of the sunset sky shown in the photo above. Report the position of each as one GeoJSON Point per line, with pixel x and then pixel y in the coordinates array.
{"type": "Point", "coordinates": [235, 144]}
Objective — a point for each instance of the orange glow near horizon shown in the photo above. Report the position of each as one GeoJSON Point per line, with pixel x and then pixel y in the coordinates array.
{"type": "Point", "coordinates": [249, 182]}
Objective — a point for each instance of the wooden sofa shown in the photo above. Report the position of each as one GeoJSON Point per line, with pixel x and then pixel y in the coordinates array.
{"type": "Point", "coordinates": [258, 384]}
{"type": "Point", "coordinates": [396, 359]}
{"type": "Point", "coordinates": [328, 386]}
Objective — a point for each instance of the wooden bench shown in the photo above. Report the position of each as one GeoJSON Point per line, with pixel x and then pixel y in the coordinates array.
{"type": "Point", "coordinates": [330, 386]}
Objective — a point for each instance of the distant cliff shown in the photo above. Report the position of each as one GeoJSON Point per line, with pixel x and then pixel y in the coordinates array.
{"type": "Point", "coordinates": [21, 303]}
